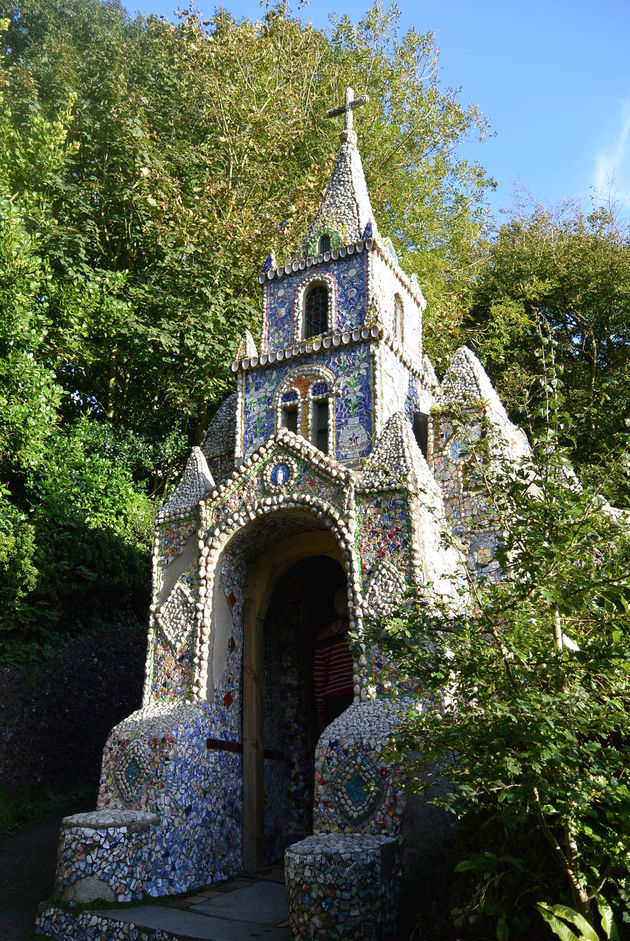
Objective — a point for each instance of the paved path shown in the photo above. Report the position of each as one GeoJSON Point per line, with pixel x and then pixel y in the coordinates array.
{"type": "Point", "coordinates": [27, 876]}
{"type": "Point", "coordinates": [237, 910]}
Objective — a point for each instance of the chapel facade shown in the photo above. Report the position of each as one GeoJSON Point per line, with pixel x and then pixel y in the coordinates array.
{"type": "Point", "coordinates": [333, 466]}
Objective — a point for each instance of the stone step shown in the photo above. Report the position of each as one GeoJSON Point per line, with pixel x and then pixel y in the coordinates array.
{"type": "Point", "coordinates": [236, 911]}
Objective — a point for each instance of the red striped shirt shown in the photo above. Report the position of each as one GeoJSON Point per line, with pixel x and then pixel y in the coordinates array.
{"type": "Point", "coordinates": [332, 668]}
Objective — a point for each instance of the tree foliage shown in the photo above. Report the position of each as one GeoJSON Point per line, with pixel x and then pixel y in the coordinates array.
{"type": "Point", "coordinates": [147, 168]}
{"type": "Point", "coordinates": [527, 691]}
{"type": "Point", "coordinates": [569, 273]}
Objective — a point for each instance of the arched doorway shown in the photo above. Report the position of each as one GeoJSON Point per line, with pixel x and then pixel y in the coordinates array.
{"type": "Point", "coordinates": [300, 605]}
{"type": "Point", "coordinates": [288, 593]}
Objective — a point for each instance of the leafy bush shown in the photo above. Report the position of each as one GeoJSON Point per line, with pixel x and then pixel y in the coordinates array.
{"type": "Point", "coordinates": [527, 691]}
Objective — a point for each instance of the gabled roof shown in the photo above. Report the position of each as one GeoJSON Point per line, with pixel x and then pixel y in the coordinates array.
{"type": "Point", "coordinates": [345, 207]}
{"type": "Point", "coordinates": [294, 444]}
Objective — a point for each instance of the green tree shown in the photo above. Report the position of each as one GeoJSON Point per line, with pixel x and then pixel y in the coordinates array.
{"type": "Point", "coordinates": [198, 148]}
{"type": "Point", "coordinates": [148, 169]}
{"type": "Point", "coordinates": [70, 514]}
{"type": "Point", "coordinates": [573, 271]}
{"type": "Point", "coordinates": [29, 393]}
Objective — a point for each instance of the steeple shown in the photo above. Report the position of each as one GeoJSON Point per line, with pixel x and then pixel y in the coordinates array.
{"type": "Point", "coordinates": [345, 213]}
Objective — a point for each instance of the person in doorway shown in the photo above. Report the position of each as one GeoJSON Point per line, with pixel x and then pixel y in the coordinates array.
{"type": "Point", "coordinates": [332, 667]}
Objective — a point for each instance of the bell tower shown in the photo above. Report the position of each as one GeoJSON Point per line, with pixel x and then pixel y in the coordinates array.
{"type": "Point", "coordinates": [341, 340]}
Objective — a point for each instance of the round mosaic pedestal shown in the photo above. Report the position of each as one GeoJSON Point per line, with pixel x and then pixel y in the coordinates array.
{"type": "Point", "coordinates": [104, 855]}
{"type": "Point", "coordinates": [343, 885]}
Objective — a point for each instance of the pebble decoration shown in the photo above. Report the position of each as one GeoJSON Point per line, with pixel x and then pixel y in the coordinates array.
{"type": "Point", "coordinates": [343, 886]}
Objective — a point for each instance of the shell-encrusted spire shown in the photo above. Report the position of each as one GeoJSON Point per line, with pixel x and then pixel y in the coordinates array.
{"type": "Point", "coordinates": [195, 483]}
{"type": "Point", "coordinates": [219, 438]}
{"type": "Point", "coordinates": [466, 379]}
{"type": "Point", "coordinates": [466, 384]}
{"type": "Point", "coordinates": [397, 459]}
{"type": "Point", "coordinates": [345, 209]}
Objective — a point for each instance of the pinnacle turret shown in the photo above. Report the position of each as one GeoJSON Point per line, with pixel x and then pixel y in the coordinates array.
{"type": "Point", "coordinates": [345, 214]}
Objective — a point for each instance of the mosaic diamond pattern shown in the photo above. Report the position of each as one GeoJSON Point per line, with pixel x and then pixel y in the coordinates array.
{"type": "Point", "coordinates": [132, 771]}
{"type": "Point", "coordinates": [358, 789]}
{"type": "Point", "coordinates": [176, 616]}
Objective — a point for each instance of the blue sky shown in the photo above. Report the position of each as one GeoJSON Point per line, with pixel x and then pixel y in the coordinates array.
{"type": "Point", "coordinates": [553, 77]}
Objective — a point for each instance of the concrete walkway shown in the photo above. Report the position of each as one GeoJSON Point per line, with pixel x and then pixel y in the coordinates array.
{"type": "Point", "coordinates": [242, 908]}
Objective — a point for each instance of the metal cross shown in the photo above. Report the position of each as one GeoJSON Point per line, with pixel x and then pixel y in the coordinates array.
{"type": "Point", "coordinates": [347, 108]}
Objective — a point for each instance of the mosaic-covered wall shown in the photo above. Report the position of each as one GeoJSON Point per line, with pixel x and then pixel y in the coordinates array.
{"type": "Point", "coordinates": [180, 764]}
{"type": "Point", "coordinates": [462, 490]}
{"type": "Point", "coordinates": [282, 298]}
{"type": "Point", "coordinates": [176, 591]}
{"type": "Point", "coordinates": [387, 281]}
{"type": "Point", "coordinates": [350, 400]}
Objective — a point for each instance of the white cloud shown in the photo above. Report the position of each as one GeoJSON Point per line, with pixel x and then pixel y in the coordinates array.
{"type": "Point", "coordinates": [612, 165]}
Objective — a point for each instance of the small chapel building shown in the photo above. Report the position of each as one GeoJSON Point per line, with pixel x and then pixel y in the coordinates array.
{"type": "Point", "coordinates": [333, 466]}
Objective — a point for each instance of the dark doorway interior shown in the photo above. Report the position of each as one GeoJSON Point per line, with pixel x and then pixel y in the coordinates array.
{"type": "Point", "coordinates": [301, 603]}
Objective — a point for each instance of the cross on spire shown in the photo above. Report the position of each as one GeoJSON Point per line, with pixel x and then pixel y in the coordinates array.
{"type": "Point", "coordinates": [347, 108]}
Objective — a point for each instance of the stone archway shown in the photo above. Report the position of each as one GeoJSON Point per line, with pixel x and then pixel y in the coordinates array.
{"type": "Point", "coordinates": [265, 574]}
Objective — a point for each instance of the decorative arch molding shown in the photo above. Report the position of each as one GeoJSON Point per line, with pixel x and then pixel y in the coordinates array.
{"type": "Point", "coordinates": [304, 380]}
{"type": "Point", "coordinates": [299, 302]}
{"type": "Point", "coordinates": [217, 539]}
{"type": "Point", "coordinates": [316, 372]}
{"type": "Point", "coordinates": [336, 541]}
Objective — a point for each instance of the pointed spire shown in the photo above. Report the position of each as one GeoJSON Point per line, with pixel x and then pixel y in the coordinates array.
{"type": "Point", "coordinates": [345, 208]}
{"type": "Point", "coordinates": [269, 262]}
{"type": "Point", "coordinates": [246, 348]}
{"type": "Point", "coordinates": [397, 459]}
{"type": "Point", "coordinates": [467, 382]}
{"type": "Point", "coordinates": [219, 438]}
{"type": "Point", "coordinates": [195, 483]}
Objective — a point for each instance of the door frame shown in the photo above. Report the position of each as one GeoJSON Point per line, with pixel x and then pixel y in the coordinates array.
{"type": "Point", "coordinates": [261, 579]}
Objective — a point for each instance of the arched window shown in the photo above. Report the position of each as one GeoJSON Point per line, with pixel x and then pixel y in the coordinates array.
{"type": "Point", "coordinates": [324, 244]}
{"type": "Point", "coordinates": [320, 417]}
{"type": "Point", "coordinates": [399, 311]}
{"type": "Point", "coordinates": [316, 311]}
{"type": "Point", "coordinates": [305, 406]}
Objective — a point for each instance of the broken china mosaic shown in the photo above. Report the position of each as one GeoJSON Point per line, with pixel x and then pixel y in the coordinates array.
{"type": "Point", "coordinates": [350, 295]}
{"type": "Point", "coordinates": [351, 402]}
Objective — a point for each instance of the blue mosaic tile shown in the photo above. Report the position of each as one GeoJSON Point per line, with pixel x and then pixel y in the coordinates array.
{"type": "Point", "coordinates": [350, 280]}
{"type": "Point", "coordinates": [353, 404]}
